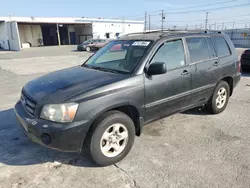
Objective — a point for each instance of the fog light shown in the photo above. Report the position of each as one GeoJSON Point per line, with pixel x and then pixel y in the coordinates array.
{"type": "Point", "coordinates": [46, 139]}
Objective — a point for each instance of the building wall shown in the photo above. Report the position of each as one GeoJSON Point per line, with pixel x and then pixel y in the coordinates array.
{"type": "Point", "coordinates": [3, 36]}
{"type": "Point", "coordinates": [100, 29]}
{"type": "Point", "coordinates": [13, 36]}
{"type": "Point", "coordinates": [83, 32]}
{"type": "Point", "coordinates": [30, 34]}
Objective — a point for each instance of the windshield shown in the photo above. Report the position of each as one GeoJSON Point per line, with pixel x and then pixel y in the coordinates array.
{"type": "Point", "coordinates": [120, 56]}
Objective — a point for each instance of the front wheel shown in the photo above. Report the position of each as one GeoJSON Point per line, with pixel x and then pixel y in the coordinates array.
{"type": "Point", "coordinates": [88, 49]}
{"type": "Point", "coordinates": [219, 100]}
{"type": "Point", "coordinates": [111, 138]}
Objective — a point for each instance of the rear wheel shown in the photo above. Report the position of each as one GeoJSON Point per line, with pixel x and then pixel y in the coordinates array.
{"type": "Point", "coordinates": [111, 138]}
{"type": "Point", "coordinates": [219, 100]}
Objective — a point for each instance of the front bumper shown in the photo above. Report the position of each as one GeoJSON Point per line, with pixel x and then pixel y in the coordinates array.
{"type": "Point", "coordinates": [67, 137]}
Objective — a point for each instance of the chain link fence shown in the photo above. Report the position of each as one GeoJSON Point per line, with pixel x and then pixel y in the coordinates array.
{"type": "Point", "coordinates": [240, 37]}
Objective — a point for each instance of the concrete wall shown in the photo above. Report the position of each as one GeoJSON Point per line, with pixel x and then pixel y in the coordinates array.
{"type": "Point", "coordinates": [13, 36]}
{"type": "Point", "coordinates": [3, 36]}
{"type": "Point", "coordinates": [30, 34]}
{"type": "Point", "coordinates": [100, 29]}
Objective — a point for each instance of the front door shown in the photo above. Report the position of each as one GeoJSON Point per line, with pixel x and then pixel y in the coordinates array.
{"type": "Point", "coordinates": [169, 92]}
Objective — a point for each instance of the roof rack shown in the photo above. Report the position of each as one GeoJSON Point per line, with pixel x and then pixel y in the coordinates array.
{"type": "Point", "coordinates": [166, 32]}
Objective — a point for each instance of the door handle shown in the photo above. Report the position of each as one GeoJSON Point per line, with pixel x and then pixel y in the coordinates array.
{"type": "Point", "coordinates": [185, 72]}
{"type": "Point", "coordinates": [216, 64]}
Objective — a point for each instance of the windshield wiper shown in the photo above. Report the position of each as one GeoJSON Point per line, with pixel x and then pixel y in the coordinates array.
{"type": "Point", "coordinates": [106, 69]}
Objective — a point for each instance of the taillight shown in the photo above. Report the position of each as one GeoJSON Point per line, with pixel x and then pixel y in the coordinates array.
{"type": "Point", "coordinates": [239, 66]}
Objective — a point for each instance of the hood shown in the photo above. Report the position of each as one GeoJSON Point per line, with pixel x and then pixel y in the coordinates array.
{"type": "Point", "coordinates": [57, 86]}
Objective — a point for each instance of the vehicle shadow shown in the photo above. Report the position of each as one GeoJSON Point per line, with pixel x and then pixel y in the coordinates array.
{"type": "Point", "coordinates": [17, 150]}
{"type": "Point", "coordinates": [196, 111]}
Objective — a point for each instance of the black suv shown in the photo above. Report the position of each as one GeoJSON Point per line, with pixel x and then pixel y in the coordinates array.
{"type": "Point", "coordinates": [130, 82]}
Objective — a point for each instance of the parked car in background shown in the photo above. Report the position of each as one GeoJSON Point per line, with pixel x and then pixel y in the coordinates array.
{"type": "Point", "coordinates": [103, 104]}
{"type": "Point", "coordinates": [245, 60]}
{"type": "Point", "coordinates": [91, 45]}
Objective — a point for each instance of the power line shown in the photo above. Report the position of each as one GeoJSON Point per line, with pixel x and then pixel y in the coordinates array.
{"type": "Point", "coordinates": [211, 9]}
{"type": "Point", "coordinates": [211, 4]}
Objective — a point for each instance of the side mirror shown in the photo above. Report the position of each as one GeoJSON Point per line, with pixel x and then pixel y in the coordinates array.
{"type": "Point", "coordinates": [156, 68]}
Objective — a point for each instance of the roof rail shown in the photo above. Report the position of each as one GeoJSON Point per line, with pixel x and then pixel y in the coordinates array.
{"type": "Point", "coordinates": [171, 31]}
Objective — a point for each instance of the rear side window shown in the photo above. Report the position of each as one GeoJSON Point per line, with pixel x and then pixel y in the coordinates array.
{"type": "Point", "coordinates": [211, 48]}
{"type": "Point", "coordinates": [198, 49]}
{"type": "Point", "coordinates": [221, 46]}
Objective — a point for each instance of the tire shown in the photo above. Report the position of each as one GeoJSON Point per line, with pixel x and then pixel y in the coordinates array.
{"type": "Point", "coordinates": [101, 138]}
{"type": "Point", "coordinates": [219, 100]}
{"type": "Point", "coordinates": [88, 49]}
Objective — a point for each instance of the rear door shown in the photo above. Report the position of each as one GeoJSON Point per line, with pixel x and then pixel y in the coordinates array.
{"type": "Point", "coordinates": [207, 68]}
{"type": "Point", "coordinates": [224, 54]}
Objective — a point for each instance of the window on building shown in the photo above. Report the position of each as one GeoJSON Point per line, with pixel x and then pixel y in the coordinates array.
{"type": "Point", "coordinates": [221, 46]}
{"type": "Point", "coordinates": [198, 49]}
{"type": "Point", "coordinates": [171, 53]}
{"type": "Point", "coordinates": [107, 35]}
{"type": "Point", "coordinates": [117, 35]}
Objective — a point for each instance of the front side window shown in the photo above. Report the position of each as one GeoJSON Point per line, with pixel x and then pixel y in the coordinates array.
{"type": "Point", "coordinates": [221, 46]}
{"type": "Point", "coordinates": [198, 49]}
{"type": "Point", "coordinates": [171, 53]}
{"type": "Point", "coordinates": [119, 56]}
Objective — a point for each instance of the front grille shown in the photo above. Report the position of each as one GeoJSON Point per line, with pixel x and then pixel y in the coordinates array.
{"type": "Point", "coordinates": [28, 104]}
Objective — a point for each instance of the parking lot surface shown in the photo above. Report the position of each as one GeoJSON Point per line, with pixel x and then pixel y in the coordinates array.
{"type": "Point", "coordinates": [191, 149]}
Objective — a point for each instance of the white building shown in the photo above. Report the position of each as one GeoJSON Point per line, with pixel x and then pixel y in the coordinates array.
{"type": "Point", "coordinates": [17, 32]}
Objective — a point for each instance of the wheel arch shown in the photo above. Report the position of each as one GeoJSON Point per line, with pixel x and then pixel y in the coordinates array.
{"type": "Point", "coordinates": [129, 109]}
{"type": "Point", "coordinates": [229, 81]}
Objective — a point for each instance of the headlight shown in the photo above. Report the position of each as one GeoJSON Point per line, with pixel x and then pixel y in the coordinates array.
{"type": "Point", "coordinates": [59, 112]}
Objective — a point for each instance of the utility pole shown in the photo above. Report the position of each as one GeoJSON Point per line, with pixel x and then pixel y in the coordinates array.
{"type": "Point", "coordinates": [214, 25]}
{"type": "Point", "coordinates": [186, 26]}
{"type": "Point", "coordinates": [162, 19]}
{"type": "Point", "coordinates": [145, 23]}
{"type": "Point", "coordinates": [222, 27]}
{"type": "Point", "coordinates": [233, 25]}
{"type": "Point", "coordinates": [201, 26]}
{"type": "Point", "coordinates": [58, 34]}
{"type": "Point", "coordinates": [206, 21]}
{"type": "Point", "coordinates": [149, 22]}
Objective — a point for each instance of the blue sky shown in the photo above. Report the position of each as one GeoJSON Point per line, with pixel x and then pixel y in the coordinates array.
{"type": "Point", "coordinates": [133, 9]}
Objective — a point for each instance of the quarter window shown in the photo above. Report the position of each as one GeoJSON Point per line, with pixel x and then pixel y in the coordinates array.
{"type": "Point", "coordinates": [221, 46]}
{"type": "Point", "coordinates": [198, 49]}
{"type": "Point", "coordinates": [171, 53]}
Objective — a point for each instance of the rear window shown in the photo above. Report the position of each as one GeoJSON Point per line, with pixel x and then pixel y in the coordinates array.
{"type": "Point", "coordinates": [221, 46]}
{"type": "Point", "coordinates": [198, 49]}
